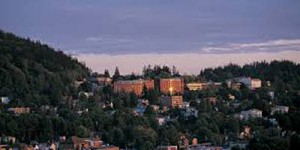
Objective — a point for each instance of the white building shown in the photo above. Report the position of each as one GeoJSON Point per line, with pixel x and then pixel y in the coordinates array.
{"type": "Point", "coordinates": [252, 113]}
{"type": "Point", "coordinates": [249, 82]}
{"type": "Point", "coordinates": [5, 100]}
{"type": "Point", "coordinates": [279, 109]}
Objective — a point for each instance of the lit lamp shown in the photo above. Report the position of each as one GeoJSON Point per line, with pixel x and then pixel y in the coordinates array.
{"type": "Point", "coordinates": [171, 90]}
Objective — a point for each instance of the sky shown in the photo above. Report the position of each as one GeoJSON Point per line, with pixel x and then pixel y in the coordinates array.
{"type": "Point", "coordinates": [191, 34]}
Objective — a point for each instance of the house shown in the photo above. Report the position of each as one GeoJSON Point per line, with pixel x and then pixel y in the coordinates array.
{"type": "Point", "coordinates": [86, 143]}
{"type": "Point", "coordinates": [176, 101]}
{"type": "Point", "coordinates": [252, 113]}
{"type": "Point", "coordinates": [173, 101]}
{"type": "Point", "coordinates": [19, 110]}
{"type": "Point", "coordinates": [186, 105]}
{"type": "Point", "coordinates": [78, 83]}
{"type": "Point", "coordinates": [86, 94]}
{"type": "Point", "coordinates": [108, 147]}
{"type": "Point", "coordinates": [161, 120]}
{"type": "Point", "coordinates": [231, 97]}
{"type": "Point", "coordinates": [141, 106]}
{"type": "Point", "coordinates": [240, 144]}
{"type": "Point", "coordinates": [245, 133]}
{"type": "Point", "coordinates": [212, 100]}
{"type": "Point", "coordinates": [5, 100]}
{"type": "Point", "coordinates": [171, 147]}
{"type": "Point", "coordinates": [191, 112]}
{"type": "Point", "coordinates": [248, 82]}
{"type": "Point", "coordinates": [204, 146]}
{"type": "Point", "coordinates": [183, 142]}
{"type": "Point", "coordinates": [155, 107]}
{"type": "Point", "coordinates": [196, 86]}
{"type": "Point", "coordinates": [107, 104]}
{"type": "Point", "coordinates": [280, 110]}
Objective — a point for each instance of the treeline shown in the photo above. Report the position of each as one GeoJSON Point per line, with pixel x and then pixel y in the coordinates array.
{"type": "Point", "coordinates": [278, 72]}
{"type": "Point", "coordinates": [283, 77]}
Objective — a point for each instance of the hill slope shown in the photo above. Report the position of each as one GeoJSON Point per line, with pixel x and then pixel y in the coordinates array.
{"type": "Point", "coordinates": [32, 73]}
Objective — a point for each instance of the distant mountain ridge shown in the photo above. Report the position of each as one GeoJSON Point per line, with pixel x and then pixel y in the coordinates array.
{"type": "Point", "coordinates": [32, 73]}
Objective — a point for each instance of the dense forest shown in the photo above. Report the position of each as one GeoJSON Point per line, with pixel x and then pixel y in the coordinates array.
{"type": "Point", "coordinates": [284, 77]}
{"type": "Point", "coordinates": [33, 74]}
{"type": "Point", "coordinates": [36, 76]}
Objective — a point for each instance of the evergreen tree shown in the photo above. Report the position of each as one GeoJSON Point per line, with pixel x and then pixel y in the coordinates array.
{"type": "Point", "coordinates": [117, 74]}
{"type": "Point", "coordinates": [106, 73]}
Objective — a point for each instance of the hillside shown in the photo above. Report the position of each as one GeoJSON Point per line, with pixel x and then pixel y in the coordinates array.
{"type": "Point", "coordinates": [32, 73]}
{"type": "Point", "coordinates": [283, 76]}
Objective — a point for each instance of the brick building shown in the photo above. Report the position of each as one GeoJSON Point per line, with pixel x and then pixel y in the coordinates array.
{"type": "Point", "coordinates": [172, 86]}
{"type": "Point", "coordinates": [135, 86]}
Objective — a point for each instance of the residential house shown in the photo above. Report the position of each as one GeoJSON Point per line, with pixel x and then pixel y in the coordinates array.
{"type": "Point", "coordinates": [183, 142]}
{"type": "Point", "coordinates": [280, 110]}
{"type": "Point", "coordinates": [108, 147]}
{"type": "Point", "coordinates": [173, 101]}
{"type": "Point", "coordinates": [171, 147]}
{"type": "Point", "coordinates": [86, 143]}
{"type": "Point", "coordinates": [5, 100]}
{"type": "Point", "coordinates": [196, 86]}
{"type": "Point", "coordinates": [19, 110]}
{"type": "Point", "coordinates": [141, 106]}
{"type": "Point", "coordinates": [249, 82]}
{"type": "Point", "coordinates": [252, 113]}
{"type": "Point", "coordinates": [191, 112]}
{"type": "Point", "coordinates": [161, 120]}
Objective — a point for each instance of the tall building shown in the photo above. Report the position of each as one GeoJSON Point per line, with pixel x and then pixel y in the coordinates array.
{"type": "Point", "coordinates": [135, 86]}
{"type": "Point", "coordinates": [172, 86]}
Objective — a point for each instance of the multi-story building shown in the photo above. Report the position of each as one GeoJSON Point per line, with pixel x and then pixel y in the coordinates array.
{"type": "Point", "coordinates": [172, 86]}
{"type": "Point", "coordinates": [135, 86]}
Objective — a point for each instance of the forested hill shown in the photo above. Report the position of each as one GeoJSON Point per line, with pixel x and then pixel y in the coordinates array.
{"type": "Point", "coordinates": [33, 74]}
{"type": "Point", "coordinates": [275, 71]}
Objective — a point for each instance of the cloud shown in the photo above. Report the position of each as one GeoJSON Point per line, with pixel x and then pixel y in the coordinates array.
{"type": "Point", "coordinates": [268, 46]}
{"type": "Point", "coordinates": [108, 40]}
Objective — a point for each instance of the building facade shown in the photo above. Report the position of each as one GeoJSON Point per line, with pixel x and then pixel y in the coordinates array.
{"type": "Point", "coordinates": [172, 86]}
{"type": "Point", "coordinates": [176, 101]}
{"type": "Point", "coordinates": [196, 86]}
{"type": "Point", "coordinates": [135, 86]}
{"type": "Point", "coordinates": [173, 101]}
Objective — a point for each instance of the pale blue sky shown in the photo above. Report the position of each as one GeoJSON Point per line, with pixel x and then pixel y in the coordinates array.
{"type": "Point", "coordinates": [156, 26]}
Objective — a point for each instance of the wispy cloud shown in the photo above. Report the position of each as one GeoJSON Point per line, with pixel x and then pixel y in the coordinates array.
{"type": "Point", "coordinates": [268, 46]}
{"type": "Point", "coordinates": [107, 40]}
